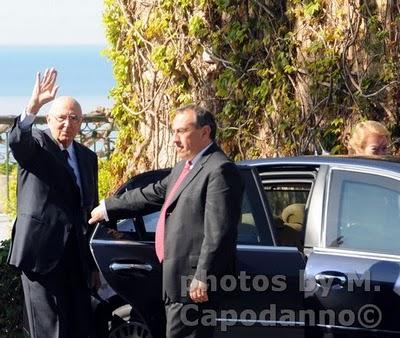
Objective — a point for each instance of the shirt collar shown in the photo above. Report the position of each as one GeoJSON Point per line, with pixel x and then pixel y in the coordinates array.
{"type": "Point", "coordinates": [199, 155]}
{"type": "Point", "coordinates": [70, 148]}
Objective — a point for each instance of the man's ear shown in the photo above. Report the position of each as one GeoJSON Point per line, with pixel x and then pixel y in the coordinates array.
{"type": "Point", "coordinates": [48, 118]}
{"type": "Point", "coordinates": [206, 131]}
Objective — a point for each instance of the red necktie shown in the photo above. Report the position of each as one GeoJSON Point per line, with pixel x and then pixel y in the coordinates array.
{"type": "Point", "coordinates": [160, 229]}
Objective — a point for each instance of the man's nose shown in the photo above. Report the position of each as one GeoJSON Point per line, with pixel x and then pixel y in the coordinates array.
{"type": "Point", "coordinates": [68, 121]}
{"type": "Point", "coordinates": [175, 138]}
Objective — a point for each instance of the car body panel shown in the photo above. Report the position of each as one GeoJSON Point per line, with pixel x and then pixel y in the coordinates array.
{"type": "Point", "coordinates": [311, 275]}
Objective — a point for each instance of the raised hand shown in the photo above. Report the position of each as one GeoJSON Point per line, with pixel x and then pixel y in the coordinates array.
{"type": "Point", "coordinates": [44, 91]}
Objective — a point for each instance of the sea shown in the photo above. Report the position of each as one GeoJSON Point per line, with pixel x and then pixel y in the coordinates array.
{"type": "Point", "coordinates": [83, 72]}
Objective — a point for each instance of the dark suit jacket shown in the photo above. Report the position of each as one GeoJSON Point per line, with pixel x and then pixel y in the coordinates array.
{"type": "Point", "coordinates": [49, 202]}
{"type": "Point", "coordinates": [202, 219]}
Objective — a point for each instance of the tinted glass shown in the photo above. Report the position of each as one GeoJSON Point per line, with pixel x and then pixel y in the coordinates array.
{"type": "Point", "coordinates": [150, 221]}
{"type": "Point", "coordinates": [282, 194]}
{"type": "Point", "coordinates": [247, 229]}
{"type": "Point", "coordinates": [287, 201]}
{"type": "Point", "coordinates": [364, 213]}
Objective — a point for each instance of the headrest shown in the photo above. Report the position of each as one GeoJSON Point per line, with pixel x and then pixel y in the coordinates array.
{"type": "Point", "coordinates": [293, 216]}
{"type": "Point", "coordinates": [248, 218]}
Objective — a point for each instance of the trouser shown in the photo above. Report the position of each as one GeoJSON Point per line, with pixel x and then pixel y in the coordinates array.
{"type": "Point", "coordinates": [58, 303]}
{"type": "Point", "coordinates": [194, 320]}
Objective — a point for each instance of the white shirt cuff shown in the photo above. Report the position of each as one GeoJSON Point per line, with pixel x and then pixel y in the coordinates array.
{"type": "Point", "coordinates": [104, 210]}
{"type": "Point", "coordinates": [26, 120]}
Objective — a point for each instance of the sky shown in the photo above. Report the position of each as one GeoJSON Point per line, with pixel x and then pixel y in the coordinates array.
{"type": "Point", "coordinates": [51, 22]}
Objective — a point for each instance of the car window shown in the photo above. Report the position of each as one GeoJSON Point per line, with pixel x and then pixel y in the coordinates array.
{"type": "Point", "coordinates": [282, 194]}
{"type": "Point", "coordinates": [126, 225]}
{"type": "Point", "coordinates": [247, 229]}
{"type": "Point", "coordinates": [150, 221]}
{"type": "Point", "coordinates": [287, 201]}
{"type": "Point", "coordinates": [363, 212]}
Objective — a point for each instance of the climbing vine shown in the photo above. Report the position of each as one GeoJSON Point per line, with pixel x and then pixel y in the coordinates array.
{"type": "Point", "coordinates": [283, 77]}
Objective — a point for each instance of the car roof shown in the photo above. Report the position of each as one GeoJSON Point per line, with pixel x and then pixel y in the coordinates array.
{"type": "Point", "coordinates": [384, 162]}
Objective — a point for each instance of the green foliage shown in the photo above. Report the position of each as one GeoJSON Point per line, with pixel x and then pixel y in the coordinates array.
{"type": "Point", "coordinates": [11, 203]}
{"type": "Point", "coordinates": [11, 296]}
{"type": "Point", "coordinates": [163, 58]}
{"type": "Point", "coordinates": [3, 168]}
{"type": "Point", "coordinates": [282, 79]}
{"type": "Point", "coordinates": [312, 8]}
{"type": "Point", "coordinates": [197, 27]}
{"type": "Point", "coordinates": [106, 179]}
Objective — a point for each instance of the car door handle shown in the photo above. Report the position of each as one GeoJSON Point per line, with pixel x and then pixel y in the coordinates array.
{"type": "Point", "coordinates": [324, 279]}
{"type": "Point", "coordinates": [130, 266]}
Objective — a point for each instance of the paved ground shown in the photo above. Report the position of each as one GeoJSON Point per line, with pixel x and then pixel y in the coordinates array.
{"type": "Point", "coordinates": [5, 227]}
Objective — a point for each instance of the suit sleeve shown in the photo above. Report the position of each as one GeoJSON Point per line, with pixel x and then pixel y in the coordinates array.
{"type": "Point", "coordinates": [146, 199]}
{"type": "Point", "coordinates": [222, 213]}
{"type": "Point", "coordinates": [96, 180]}
{"type": "Point", "coordinates": [23, 145]}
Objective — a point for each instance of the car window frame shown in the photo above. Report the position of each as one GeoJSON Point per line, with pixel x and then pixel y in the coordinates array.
{"type": "Point", "coordinates": [326, 213]}
{"type": "Point", "coordinates": [262, 218]}
{"type": "Point", "coordinates": [290, 172]}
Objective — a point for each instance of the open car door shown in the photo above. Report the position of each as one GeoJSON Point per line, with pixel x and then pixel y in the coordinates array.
{"type": "Point", "coordinates": [124, 252]}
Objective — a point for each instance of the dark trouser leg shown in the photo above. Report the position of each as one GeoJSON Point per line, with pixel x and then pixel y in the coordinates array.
{"type": "Point", "coordinates": [58, 303]}
{"type": "Point", "coordinates": [190, 320]}
{"type": "Point", "coordinates": [40, 308]}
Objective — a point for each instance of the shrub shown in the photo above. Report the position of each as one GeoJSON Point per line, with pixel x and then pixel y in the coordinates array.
{"type": "Point", "coordinates": [11, 202]}
{"type": "Point", "coordinates": [11, 296]}
{"type": "Point", "coordinates": [106, 179]}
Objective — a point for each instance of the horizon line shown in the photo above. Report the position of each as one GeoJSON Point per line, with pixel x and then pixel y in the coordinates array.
{"type": "Point", "coordinates": [79, 44]}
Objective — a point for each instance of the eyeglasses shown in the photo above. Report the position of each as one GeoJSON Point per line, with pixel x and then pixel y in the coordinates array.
{"type": "Point", "coordinates": [71, 118]}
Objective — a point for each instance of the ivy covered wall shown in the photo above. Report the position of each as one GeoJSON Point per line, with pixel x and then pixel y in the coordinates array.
{"type": "Point", "coordinates": [283, 77]}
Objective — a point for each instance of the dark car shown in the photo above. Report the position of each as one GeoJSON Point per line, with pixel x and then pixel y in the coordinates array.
{"type": "Point", "coordinates": [318, 254]}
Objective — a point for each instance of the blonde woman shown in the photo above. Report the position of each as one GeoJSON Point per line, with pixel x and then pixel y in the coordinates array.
{"type": "Point", "coordinates": [369, 138]}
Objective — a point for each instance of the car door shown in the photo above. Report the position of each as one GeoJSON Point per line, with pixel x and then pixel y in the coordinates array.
{"type": "Point", "coordinates": [352, 278]}
{"type": "Point", "coordinates": [269, 298]}
{"type": "Point", "coordinates": [124, 253]}
{"type": "Point", "coordinates": [267, 294]}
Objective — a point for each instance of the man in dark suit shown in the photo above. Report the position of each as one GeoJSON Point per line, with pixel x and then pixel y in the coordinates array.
{"type": "Point", "coordinates": [197, 230]}
{"type": "Point", "coordinates": [57, 188]}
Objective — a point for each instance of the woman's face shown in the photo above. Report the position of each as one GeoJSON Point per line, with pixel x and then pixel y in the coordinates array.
{"type": "Point", "coordinates": [375, 145]}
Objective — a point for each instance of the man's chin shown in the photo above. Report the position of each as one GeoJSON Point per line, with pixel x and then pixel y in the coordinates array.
{"type": "Point", "coordinates": [65, 141]}
{"type": "Point", "coordinates": [180, 155]}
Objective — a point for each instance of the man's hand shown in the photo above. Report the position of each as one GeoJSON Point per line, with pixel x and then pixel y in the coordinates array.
{"type": "Point", "coordinates": [44, 91]}
{"type": "Point", "coordinates": [198, 291]}
{"type": "Point", "coordinates": [97, 215]}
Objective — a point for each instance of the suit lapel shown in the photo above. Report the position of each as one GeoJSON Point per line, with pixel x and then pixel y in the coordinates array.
{"type": "Point", "coordinates": [193, 172]}
{"type": "Point", "coordinates": [54, 148]}
{"type": "Point", "coordinates": [84, 170]}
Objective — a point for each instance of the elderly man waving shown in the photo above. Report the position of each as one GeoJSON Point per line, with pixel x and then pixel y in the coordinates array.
{"type": "Point", "coordinates": [57, 187]}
